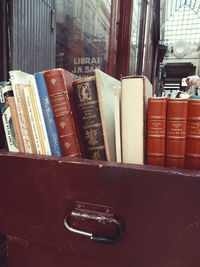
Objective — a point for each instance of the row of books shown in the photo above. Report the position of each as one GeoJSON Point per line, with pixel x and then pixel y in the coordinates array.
{"type": "Point", "coordinates": [55, 113]}
{"type": "Point", "coordinates": [98, 117]}
{"type": "Point", "coordinates": [173, 136]}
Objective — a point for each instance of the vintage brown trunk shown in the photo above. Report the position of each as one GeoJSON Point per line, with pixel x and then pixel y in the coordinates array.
{"type": "Point", "coordinates": [158, 207]}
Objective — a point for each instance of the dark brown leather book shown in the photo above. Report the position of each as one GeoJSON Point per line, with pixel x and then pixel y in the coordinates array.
{"type": "Point", "coordinates": [192, 151]}
{"type": "Point", "coordinates": [156, 130]}
{"type": "Point", "coordinates": [176, 132]}
{"type": "Point", "coordinates": [59, 86]}
{"type": "Point", "coordinates": [87, 101]}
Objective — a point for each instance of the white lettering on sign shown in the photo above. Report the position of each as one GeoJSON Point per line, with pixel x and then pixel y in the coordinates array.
{"type": "Point", "coordinates": [84, 66]}
{"type": "Point", "coordinates": [87, 60]}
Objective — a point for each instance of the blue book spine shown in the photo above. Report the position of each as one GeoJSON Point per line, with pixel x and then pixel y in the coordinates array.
{"type": "Point", "coordinates": [48, 115]}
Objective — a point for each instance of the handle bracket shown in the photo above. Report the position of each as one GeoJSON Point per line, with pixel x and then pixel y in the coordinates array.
{"type": "Point", "coordinates": [100, 218]}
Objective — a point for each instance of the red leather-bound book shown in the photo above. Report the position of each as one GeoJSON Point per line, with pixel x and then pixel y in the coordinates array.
{"type": "Point", "coordinates": [59, 86]}
{"type": "Point", "coordinates": [192, 151]}
{"type": "Point", "coordinates": [156, 131]}
{"type": "Point", "coordinates": [176, 132]}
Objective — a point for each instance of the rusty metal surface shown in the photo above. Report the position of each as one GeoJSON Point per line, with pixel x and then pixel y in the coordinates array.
{"type": "Point", "coordinates": [32, 35]}
{"type": "Point", "coordinates": [159, 208]}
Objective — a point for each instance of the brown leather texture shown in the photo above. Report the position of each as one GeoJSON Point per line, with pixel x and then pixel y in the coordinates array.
{"type": "Point", "coordinates": [87, 101]}
{"type": "Point", "coordinates": [156, 130]}
{"type": "Point", "coordinates": [176, 132]}
{"type": "Point", "coordinates": [192, 152]}
{"type": "Point", "coordinates": [158, 206]}
{"type": "Point", "coordinates": [58, 82]}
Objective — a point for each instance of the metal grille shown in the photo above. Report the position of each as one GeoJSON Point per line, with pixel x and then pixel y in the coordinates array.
{"type": "Point", "coordinates": [32, 43]}
{"type": "Point", "coordinates": [182, 21]}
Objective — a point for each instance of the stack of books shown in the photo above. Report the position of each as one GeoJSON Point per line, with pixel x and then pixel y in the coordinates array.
{"type": "Point", "coordinates": [173, 138]}
{"type": "Point", "coordinates": [56, 113]}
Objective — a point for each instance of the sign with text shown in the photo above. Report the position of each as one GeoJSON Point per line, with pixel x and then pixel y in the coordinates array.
{"type": "Point", "coordinates": [85, 66]}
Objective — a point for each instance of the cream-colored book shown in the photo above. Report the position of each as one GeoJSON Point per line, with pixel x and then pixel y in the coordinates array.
{"type": "Point", "coordinates": [29, 97]}
{"type": "Point", "coordinates": [26, 131]}
{"type": "Point", "coordinates": [135, 93]}
{"type": "Point", "coordinates": [108, 90]}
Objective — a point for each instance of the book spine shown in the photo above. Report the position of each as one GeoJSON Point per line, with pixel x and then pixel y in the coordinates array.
{"type": "Point", "coordinates": [15, 120]}
{"type": "Point", "coordinates": [34, 122]}
{"type": "Point", "coordinates": [192, 151]}
{"type": "Point", "coordinates": [48, 115]}
{"type": "Point", "coordinates": [87, 101]}
{"type": "Point", "coordinates": [38, 115]}
{"type": "Point", "coordinates": [176, 132]}
{"type": "Point", "coordinates": [156, 130]}
{"type": "Point", "coordinates": [60, 103]}
{"type": "Point", "coordinates": [24, 109]}
{"type": "Point", "coordinates": [6, 90]}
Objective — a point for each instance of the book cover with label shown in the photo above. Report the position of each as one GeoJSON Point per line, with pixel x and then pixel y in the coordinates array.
{"type": "Point", "coordinates": [192, 151]}
{"type": "Point", "coordinates": [135, 93]}
{"type": "Point", "coordinates": [48, 115]}
{"type": "Point", "coordinates": [85, 90]}
{"type": "Point", "coordinates": [156, 130]}
{"type": "Point", "coordinates": [176, 132]}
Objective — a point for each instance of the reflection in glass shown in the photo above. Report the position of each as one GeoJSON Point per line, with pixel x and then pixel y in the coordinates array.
{"type": "Point", "coordinates": [181, 21]}
{"type": "Point", "coordinates": [82, 35]}
{"type": "Point", "coordinates": [134, 36]}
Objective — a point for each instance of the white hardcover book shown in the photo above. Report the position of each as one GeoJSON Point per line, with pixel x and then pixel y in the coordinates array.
{"type": "Point", "coordinates": [109, 112]}
{"type": "Point", "coordinates": [135, 93]}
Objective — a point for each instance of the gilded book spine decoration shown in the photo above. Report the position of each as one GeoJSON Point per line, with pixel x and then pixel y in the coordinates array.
{"type": "Point", "coordinates": [156, 129]}
{"type": "Point", "coordinates": [176, 132]}
{"type": "Point", "coordinates": [87, 100]}
{"type": "Point", "coordinates": [62, 112]}
{"type": "Point", "coordinates": [192, 151]}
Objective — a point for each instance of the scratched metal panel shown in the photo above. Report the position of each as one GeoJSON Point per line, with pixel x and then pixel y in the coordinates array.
{"type": "Point", "coordinates": [32, 35]}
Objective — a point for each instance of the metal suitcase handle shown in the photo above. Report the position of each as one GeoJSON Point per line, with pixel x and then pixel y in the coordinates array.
{"type": "Point", "coordinates": [95, 238]}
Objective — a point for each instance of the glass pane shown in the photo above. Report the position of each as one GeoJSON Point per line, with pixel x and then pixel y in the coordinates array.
{"type": "Point", "coordinates": [134, 36]}
{"type": "Point", "coordinates": [82, 35]}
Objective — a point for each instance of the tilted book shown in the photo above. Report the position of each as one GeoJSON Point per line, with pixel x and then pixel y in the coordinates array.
{"type": "Point", "coordinates": [5, 92]}
{"type": "Point", "coordinates": [109, 92]}
{"type": "Point", "coordinates": [135, 93]}
{"type": "Point", "coordinates": [176, 132]}
{"type": "Point", "coordinates": [48, 115]}
{"type": "Point", "coordinates": [30, 113]}
{"type": "Point", "coordinates": [59, 87]}
{"type": "Point", "coordinates": [192, 151]}
{"type": "Point", "coordinates": [156, 130]}
{"type": "Point", "coordinates": [87, 101]}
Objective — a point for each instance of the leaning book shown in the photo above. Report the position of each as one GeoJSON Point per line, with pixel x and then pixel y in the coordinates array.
{"type": "Point", "coordinates": [5, 93]}
{"type": "Point", "coordinates": [48, 115]}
